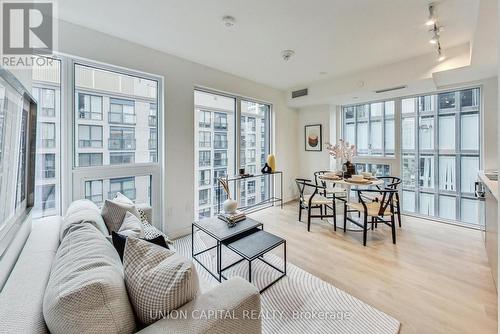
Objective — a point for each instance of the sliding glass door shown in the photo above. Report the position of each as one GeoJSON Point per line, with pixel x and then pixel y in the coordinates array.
{"type": "Point", "coordinates": [438, 150]}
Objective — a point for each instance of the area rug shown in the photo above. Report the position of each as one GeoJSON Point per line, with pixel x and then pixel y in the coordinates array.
{"type": "Point", "coordinates": [298, 303]}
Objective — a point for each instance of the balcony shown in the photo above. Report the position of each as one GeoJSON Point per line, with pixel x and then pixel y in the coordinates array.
{"type": "Point", "coordinates": [95, 116]}
{"type": "Point", "coordinates": [220, 126]}
{"type": "Point", "coordinates": [121, 144]}
{"type": "Point", "coordinates": [220, 162]}
{"type": "Point", "coordinates": [153, 144]}
{"type": "Point", "coordinates": [204, 182]}
{"type": "Point", "coordinates": [121, 118]}
{"type": "Point", "coordinates": [153, 121]}
{"type": "Point", "coordinates": [85, 143]}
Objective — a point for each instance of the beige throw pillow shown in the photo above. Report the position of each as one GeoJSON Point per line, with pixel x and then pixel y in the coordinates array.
{"type": "Point", "coordinates": [114, 212]}
{"type": "Point", "coordinates": [157, 279]}
{"type": "Point", "coordinates": [131, 226]}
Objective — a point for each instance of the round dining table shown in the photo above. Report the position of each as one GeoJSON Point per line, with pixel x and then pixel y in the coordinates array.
{"type": "Point", "coordinates": [347, 184]}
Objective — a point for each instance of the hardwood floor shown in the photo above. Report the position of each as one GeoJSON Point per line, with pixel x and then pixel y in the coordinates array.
{"type": "Point", "coordinates": [436, 279]}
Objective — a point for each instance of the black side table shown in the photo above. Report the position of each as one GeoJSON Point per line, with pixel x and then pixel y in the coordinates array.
{"type": "Point", "coordinates": [253, 246]}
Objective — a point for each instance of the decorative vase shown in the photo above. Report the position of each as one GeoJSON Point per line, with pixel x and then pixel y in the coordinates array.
{"type": "Point", "coordinates": [229, 206]}
{"type": "Point", "coordinates": [271, 161]}
{"type": "Point", "coordinates": [349, 169]}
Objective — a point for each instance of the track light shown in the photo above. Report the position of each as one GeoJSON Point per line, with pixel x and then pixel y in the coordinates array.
{"type": "Point", "coordinates": [440, 53]}
{"type": "Point", "coordinates": [435, 38]}
{"type": "Point", "coordinates": [432, 16]}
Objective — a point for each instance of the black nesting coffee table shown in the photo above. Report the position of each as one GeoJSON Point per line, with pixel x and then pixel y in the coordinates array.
{"type": "Point", "coordinates": [247, 239]}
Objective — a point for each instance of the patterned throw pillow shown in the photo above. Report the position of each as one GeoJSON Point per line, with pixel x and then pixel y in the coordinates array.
{"type": "Point", "coordinates": [114, 212]}
{"type": "Point", "coordinates": [131, 226]}
{"type": "Point", "coordinates": [158, 280]}
{"type": "Point", "coordinates": [119, 241]}
{"type": "Point", "coordinates": [150, 232]}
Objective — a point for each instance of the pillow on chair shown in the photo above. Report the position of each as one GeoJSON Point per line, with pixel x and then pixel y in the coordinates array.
{"type": "Point", "coordinates": [114, 213]}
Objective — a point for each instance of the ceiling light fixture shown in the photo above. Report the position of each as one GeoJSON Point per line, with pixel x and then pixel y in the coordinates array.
{"type": "Point", "coordinates": [432, 16]}
{"type": "Point", "coordinates": [435, 34]}
{"type": "Point", "coordinates": [287, 54]}
{"type": "Point", "coordinates": [228, 21]}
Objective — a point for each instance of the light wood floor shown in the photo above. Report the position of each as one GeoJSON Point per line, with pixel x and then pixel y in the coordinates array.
{"type": "Point", "coordinates": [436, 279]}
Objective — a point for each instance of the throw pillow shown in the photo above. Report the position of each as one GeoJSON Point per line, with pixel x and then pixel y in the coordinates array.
{"type": "Point", "coordinates": [131, 226]}
{"type": "Point", "coordinates": [119, 241]}
{"type": "Point", "coordinates": [157, 279]}
{"type": "Point", "coordinates": [151, 232]}
{"type": "Point", "coordinates": [114, 212]}
{"type": "Point", "coordinates": [86, 292]}
{"type": "Point", "coordinates": [119, 197]}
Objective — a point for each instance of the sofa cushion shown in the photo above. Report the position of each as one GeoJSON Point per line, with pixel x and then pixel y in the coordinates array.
{"type": "Point", "coordinates": [119, 241]}
{"type": "Point", "coordinates": [82, 211]}
{"type": "Point", "coordinates": [157, 279]}
{"type": "Point", "coordinates": [86, 292]}
{"type": "Point", "coordinates": [114, 212]}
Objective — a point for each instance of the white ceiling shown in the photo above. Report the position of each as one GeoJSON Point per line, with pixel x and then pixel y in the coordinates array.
{"type": "Point", "coordinates": [333, 36]}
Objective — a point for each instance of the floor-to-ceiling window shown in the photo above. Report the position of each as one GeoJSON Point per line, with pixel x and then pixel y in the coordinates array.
{"type": "Point", "coordinates": [438, 149]}
{"type": "Point", "coordinates": [46, 89]}
{"type": "Point", "coordinates": [218, 139]}
{"type": "Point", "coordinates": [116, 133]}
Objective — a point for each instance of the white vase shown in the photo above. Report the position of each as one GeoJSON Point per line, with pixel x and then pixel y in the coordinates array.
{"type": "Point", "coordinates": [230, 206]}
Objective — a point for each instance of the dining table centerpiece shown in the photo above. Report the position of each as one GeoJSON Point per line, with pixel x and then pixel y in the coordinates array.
{"type": "Point", "coordinates": [343, 153]}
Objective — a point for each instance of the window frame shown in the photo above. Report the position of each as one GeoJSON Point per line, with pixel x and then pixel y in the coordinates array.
{"type": "Point", "coordinates": [78, 175]}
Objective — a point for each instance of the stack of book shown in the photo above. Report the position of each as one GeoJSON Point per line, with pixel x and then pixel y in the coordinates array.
{"type": "Point", "coordinates": [232, 218]}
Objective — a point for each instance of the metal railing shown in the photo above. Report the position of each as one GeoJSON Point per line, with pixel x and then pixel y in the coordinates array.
{"type": "Point", "coordinates": [121, 144]}
{"type": "Point", "coordinates": [94, 143]}
{"type": "Point", "coordinates": [121, 118]}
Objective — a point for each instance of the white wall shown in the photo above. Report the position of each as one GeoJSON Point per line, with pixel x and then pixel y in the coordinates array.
{"type": "Point", "coordinates": [309, 162]}
{"type": "Point", "coordinates": [181, 77]}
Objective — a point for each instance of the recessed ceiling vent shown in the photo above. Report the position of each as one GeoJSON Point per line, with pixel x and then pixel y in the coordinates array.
{"type": "Point", "coordinates": [390, 89]}
{"type": "Point", "coordinates": [299, 93]}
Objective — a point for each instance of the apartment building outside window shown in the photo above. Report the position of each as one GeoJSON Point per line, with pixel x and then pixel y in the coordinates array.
{"type": "Point", "coordinates": [125, 185]}
{"type": "Point", "coordinates": [217, 144]}
{"type": "Point", "coordinates": [48, 135]}
{"type": "Point", "coordinates": [46, 98]}
{"type": "Point", "coordinates": [89, 106]}
{"type": "Point", "coordinates": [90, 136]}
{"type": "Point", "coordinates": [439, 149]}
{"type": "Point", "coordinates": [205, 139]}
{"type": "Point", "coordinates": [204, 119]}
{"type": "Point", "coordinates": [89, 159]}
{"type": "Point", "coordinates": [94, 191]}
{"type": "Point", "coordinates": [153, 139]}
{"type": "Point", "coordinates": [121, 138]}
{"type": "Point", "coordinates": [122, 111]}
{"type": "Point", "coordinates": [152, 119]}
{"type": "Point", "coordinates": [47, 195]}
{"type": "Point", "coordinates": [204, 197]}
{"type": "Point", "coordinates": [48, 165]}
{"type": "Point", "coordinates": [204, 177]}
{"type": "Point", "coordinates": [120, 158]}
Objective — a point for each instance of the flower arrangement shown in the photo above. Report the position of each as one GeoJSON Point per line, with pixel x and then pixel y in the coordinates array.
{"type": "Point", "coordinates": [343, 150]}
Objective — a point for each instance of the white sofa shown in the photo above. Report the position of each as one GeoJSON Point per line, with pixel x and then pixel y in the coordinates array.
{"type": "Point", "coordinates": [21, 299]}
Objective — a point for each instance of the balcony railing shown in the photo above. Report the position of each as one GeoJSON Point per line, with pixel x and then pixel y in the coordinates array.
{"type": "Point", "coordinates": [121, 144]}
{"type": "Point", "coordinates": [204, 163]}
{"type": "Point", "coordinates": [153, 120]}
{"type": "Point", "coordinates": [130, 193]}
{"type": "Point", "coordinates": [220, 126]}
{"type": "Point", "coordinates": [220, 144]}
{"type": "Point", "coordinates": [220, 162]}
{"type": "Point", "coordinates": [96, 116]}
{"type": "Point", "coordinates": [121, 118]}
{"type": "Point", "coordinates": [153, 144]}
{"type": "Point", "coordinates": [94, 143]}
